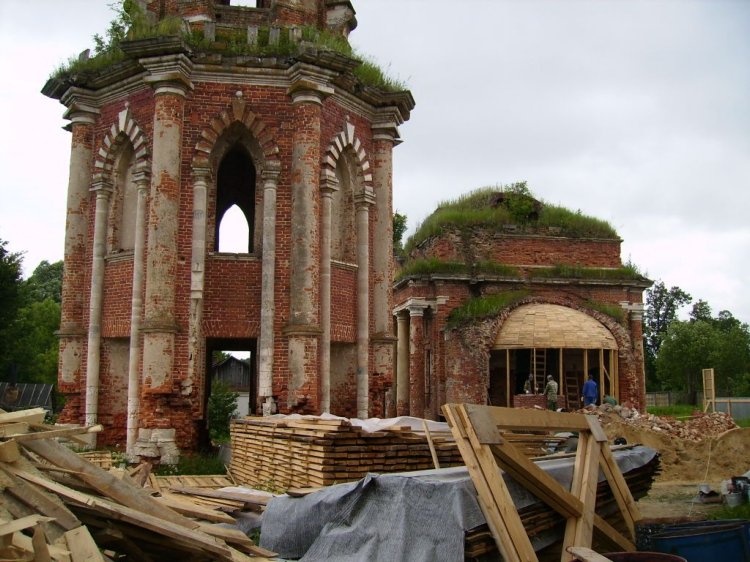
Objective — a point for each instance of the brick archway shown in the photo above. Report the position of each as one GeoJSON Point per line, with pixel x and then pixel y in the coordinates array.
{"type": "Point", "coordinates": [125, 127]}
{"type": "Point", "coordinates": [343, 140]}
{"type": "Point", "coordinates": [237, 112]}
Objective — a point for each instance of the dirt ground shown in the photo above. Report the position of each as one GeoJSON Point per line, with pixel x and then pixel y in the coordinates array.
{"type": "Point", "coordinates": [685, 464]}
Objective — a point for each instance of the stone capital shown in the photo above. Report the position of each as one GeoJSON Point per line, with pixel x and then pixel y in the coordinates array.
{"type": "Point", "coordinates": [385, 125]}
{"type": "Point", "coordinates": [364, 198]}
{"type": "Point", "coordinates": [304, 90]}
{"type": "Point", "coordinates": [201, 174]}
{"type": "Point", "coordinates": [141, 178]}
{"type": "Point", "coordinates": [81, 113]}
{"type": "Point", "coordinates": [101, 186]}
{"type": "Point", "coordinates": [169, 74]}
{"type": "Point", "coordinates": [271, 171]}
{"type": "Point", "coordinates": [329, 183]}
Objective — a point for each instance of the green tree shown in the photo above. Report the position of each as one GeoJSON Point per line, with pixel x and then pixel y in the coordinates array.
{"type": "Point", "coordinates": [45, 283]}
{"type": "Point", "coordinates": [399, 229]}
{"type": "Point", "coordinates": [35, 345]}
{"type": "Point", "coordinates": [721, 343]}
{"type": "Point", "coordinates": [661, 309]}
{"type": "Point", "coordinates": [11, 300]}
{"type": "Point", "coordinates": [222, 406]}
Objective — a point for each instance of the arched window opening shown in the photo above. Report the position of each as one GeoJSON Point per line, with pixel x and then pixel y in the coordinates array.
{"type": "Point", "coordinates": [233, 231]}
{"type": "Point", "coordinates": [343, 239]}
{"type": "Point", "coordinates": [124, 203]}
{"type": "Point", "coordinates": [235, 187]}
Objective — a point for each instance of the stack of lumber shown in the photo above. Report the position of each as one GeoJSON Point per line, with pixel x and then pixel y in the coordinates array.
{"type": "Point", "coordinates": [285, 453]}
{"type": "Point", "coordinates": [57, 506]}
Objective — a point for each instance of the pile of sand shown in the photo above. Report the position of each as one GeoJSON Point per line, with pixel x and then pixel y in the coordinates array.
{"type": "Point", "coordinates": [704, 448]}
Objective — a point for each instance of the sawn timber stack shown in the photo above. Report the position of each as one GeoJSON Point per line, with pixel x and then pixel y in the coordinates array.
{"type": "Point", "coordinates": [320, 452]}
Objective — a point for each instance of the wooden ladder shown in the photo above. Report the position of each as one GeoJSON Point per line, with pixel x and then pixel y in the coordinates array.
{"type": "Point", "coordinates": [540, 367]}
{"type": "Point", "coordinates": [572, 391]}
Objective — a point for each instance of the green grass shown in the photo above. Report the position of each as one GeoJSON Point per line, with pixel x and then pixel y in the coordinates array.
{"type": "Point", "coordinates": [743, 423]}
{"type": "Point", "coordinates": [487, 306]}
{"type": "Point", "coordinates": [628, 271]}
{"type": "Point", "coordinates": [433, 266]}
{"type": "Point", "coordinates": [234, 42]}
{"type": "Point", "coordinates": [611, 310]}
{"type": "Point", "coordinates": [473, 210]}
{"type": "Point", "coordinates": [193, 463]}
{"type": "Point", "coordinates": [724, 512]}
{"type": "Point", "coordinates": [676, 411]}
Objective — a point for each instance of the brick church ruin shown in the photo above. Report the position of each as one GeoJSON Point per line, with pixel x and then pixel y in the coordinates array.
{"type": "Point", "coordinates": [164, 143]}
{"type": "Point", "coordinates": [245, 111]}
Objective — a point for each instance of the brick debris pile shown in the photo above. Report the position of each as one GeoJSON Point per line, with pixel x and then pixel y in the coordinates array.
{"type": "Point", "coordinates": [286, 453]}
{"type": "Point", "coordinates": [698, 427]}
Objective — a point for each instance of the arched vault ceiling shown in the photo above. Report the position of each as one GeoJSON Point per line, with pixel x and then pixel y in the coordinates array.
{"type": "Point", "coordinates": [555, 326]}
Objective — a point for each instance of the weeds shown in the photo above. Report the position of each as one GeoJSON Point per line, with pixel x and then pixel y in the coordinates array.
{"type": "Point", "coordinates": [193, 464]}
{"type": "Point", "coordinates": [487, 306]}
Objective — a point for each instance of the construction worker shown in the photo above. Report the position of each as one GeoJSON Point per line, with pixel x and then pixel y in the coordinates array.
{"type": "Point", "coordinates": [550, 391]}
{"type": "Point", "coordinates": [590, 391]}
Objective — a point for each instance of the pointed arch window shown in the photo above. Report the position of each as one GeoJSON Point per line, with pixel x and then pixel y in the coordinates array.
{"type": "Point", "coordinates": [124, 203]}
{"type": "Point", "coordinates": [343, 241]}
{"type": "Point", "coordinates": [235, 190]}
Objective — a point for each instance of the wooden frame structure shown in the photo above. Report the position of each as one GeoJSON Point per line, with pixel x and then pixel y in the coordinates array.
{"type": "Point", "coordinates": [479, 433]}
{"type": "Point", "coordinates": [709, 390]}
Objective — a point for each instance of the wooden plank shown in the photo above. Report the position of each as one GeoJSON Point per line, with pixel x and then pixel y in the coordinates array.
{"type": "Point", "coordinates": [596, 428]}
{"type": "Point", "coordinates": [433, 452]}
{"type": "Point", "coordinates": [494, 497]}
{"type": "Point", "coordinates": [520, 467]}
{"type": "Point", "coordinates": [57, 553]}
{"type": "Point", "coordinates": [27, 522]}
{"type": "Point", "coordinates": [238, 539]}
{"type": "Point", "coordinates": [54, 433]}
{"type": "Point", "coordinates": [47, 505]}
{"type": "Point", "coordinates": [521, 419]}
{"type": "Point", "coordinates": [9, 451]}
{"type": "Point", "coordinates": [121, 491]}
{"type": "Point", "coordinates": [250, 498]}
{"type": "Point", "coordinates": [144, 520]}
{"type": "Point", "coordinates": [620, 490]}
{"type": "Point", "coordinates": [32, 415]}
{"type": "Point", "coordinates": [579, 531]}
{"type": "Point", "coordinates": [13, 428]}
{"type": "Point", "coordinates": [39, 543]}
{"type": "Point", "coordinates": [607, 533]}
{"type": "Point", "coordinates": [191, 509]}
{"type": "Point", "coordinates": [82, 546]}
{"type": "Point", "coordinates": [586, 554]}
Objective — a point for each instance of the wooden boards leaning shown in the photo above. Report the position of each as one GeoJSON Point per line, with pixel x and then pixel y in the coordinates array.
{"type": "Point", "coordinates": [480, 432]}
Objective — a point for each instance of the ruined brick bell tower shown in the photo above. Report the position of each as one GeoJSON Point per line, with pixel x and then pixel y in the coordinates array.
{"type": "Point", "coordinates": [241, 110]}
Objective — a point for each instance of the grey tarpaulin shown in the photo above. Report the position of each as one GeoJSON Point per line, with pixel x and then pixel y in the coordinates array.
{"type": "Point", "coordinates": [415, 516]}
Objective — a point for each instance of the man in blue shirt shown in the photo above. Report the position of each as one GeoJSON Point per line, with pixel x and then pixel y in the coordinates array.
{"type": "Point", "coordinates": [590, 392]}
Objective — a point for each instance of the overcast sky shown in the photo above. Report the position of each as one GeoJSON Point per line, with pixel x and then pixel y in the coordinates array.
{"type": "Point", "coordinates": [637, 112]}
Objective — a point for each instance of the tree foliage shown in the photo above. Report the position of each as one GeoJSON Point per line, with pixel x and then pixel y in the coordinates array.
{"type": "Point", "coordinates": [662, 305]}
{"type": "Point", "coordinates": [399, 229]}
{"type": "Point", "coordinates": [29, 318]}
{"type": "Point", "coordinates": [721, 343]}
{"type": "Point", "coordinates": [222, 406]}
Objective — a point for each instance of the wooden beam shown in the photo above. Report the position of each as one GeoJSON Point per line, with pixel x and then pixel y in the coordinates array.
{"type": "Point", "coordinates": [521, 419]}
{"type": "Point", "coordinates": [121, 491]}
{"type": "Point", "coordinates": [494, 497]}
{"type": "Point", "coordinates": [32, 415]}
{"type": "Point", "coordinates": [586, 554]}
{"type": "Point", "coordinates": [9, 451]}
{"type": "Point", "coordinates": [23, 523]}
{"type": "Point", "coordinates": [53, 433]}
{"type": "Point", "coordinates": [191, 509]}
{"type": "Point", "coordinates": [620, 490]}
{"type": "Point", "coordinates": [82, 546]}
{"type": "Point", "coordinates": [579, 531]}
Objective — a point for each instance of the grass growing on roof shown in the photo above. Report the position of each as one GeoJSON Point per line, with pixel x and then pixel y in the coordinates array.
{"type": "Point", "coordinates": [474, 209]}
{"type": "Point", "coordinates": [611, 310]}
{"type": "Point", "coordinates": [429, 266]}
{"type": "Point", "coordinates": [479, 308]}
{"type": "Point", "coordinates": [131, 23]}
{"type": "Point", "coordinates": [627, 271]}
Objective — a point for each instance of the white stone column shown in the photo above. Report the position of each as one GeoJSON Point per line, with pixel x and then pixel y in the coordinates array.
{"type": "Point", "coordinates": [72, 331]}
{"type": "Point", "coordinates": [103, 191]}
{"type": "Point", "coordinates": [328, 186]}
{"type": "Point", "coordinates": [362, 202]}
{"type": "Point", "coordinates": [268, 288]}
{"type": "Point", "coordinates": [169, 78]}
{"type": "Point", "coordinates": [136, 309]}
{"type": "Point", "coordinates": [402, 369]}
{"type": "Point", "coordinates": [201, 177]}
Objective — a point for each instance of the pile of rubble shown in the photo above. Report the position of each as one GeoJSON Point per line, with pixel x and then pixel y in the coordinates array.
{"type": "Point", "coordinates": [698, 427]}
